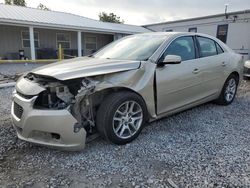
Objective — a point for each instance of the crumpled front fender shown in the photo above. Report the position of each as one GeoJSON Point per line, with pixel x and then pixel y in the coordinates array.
{"type": "Point", "coordinates": [141, 81]}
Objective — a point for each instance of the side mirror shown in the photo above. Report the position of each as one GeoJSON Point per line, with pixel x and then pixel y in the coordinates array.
{"type": "Point", "coordinates": [172, 59]}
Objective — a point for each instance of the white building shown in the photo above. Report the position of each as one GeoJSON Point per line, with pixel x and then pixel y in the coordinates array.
{"type": "Point", "coordinates": [38, 33]}
{"type": "Point", "coordinates": [232, 28]}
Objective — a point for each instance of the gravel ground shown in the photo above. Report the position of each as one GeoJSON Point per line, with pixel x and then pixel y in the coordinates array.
{"type": "Point", "coordinates": [16, 68]}
{"type": "Point", "coordinates": [207, 146]}
{"type": "Point", "coordinates": [9, 72]}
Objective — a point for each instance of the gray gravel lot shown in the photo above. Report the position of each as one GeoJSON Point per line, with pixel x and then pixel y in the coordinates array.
{"type": "Point", "coordinates": [13, 68]}
{"type": "Point", "coordinates": [207, 146]}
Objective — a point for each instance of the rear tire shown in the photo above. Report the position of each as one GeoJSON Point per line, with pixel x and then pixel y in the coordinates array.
{"type": "Point", "coordinates": [229, 90]}
{"type": "Point", "coordinates": [121, 116]}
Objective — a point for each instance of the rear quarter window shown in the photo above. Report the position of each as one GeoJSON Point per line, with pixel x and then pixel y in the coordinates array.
{"type": "Point", "coordinates": [219, 49]}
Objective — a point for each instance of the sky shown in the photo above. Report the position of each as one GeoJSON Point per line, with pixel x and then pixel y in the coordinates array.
{"type": "Point", "coordinates": [141, 12]}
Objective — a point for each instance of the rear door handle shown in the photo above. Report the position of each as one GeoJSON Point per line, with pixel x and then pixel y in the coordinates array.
{"type": "Point", "coordinates": [196, 71]}
{"type": "Point", "coordinates": [223, 64]}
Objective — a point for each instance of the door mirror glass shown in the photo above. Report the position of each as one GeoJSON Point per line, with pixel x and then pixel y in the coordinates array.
{"type": "Point", "coordinates": [172, 59]}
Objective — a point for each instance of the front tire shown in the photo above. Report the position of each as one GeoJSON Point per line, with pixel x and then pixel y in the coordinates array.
{"type": "Point", "coordinates": [229, 90]}
{"type": "Point", "coordinates": [121, 116]}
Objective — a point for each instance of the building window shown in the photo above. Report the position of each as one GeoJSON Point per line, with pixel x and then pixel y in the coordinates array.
{"type": "Point", "coordinates": [90, 43]}
{"type": "Point", "coordinates": [193, 29]}
{"type": "Point", "coordinates": [26, 39]}
{"type": "Point", "coordinates": [222, 32]}
{"type": "Point", "coordinates": [169, 30]}
{"type": "Point", "coordinates": [63, 39]}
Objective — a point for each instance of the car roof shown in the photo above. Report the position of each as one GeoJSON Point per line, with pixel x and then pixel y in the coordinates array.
{"type": "Point", "coordinates": [175, 34]}
{"type": "Point", "coordinates": [164, 33]}
{"type": "Point", "coordinates": [171, 35]}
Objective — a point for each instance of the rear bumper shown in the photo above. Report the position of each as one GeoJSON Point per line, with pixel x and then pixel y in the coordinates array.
{"type": "Point", "coordinates": [46, 127]}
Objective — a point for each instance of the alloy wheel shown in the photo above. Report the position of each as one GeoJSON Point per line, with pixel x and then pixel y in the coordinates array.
{"type": "Point", "coordinates": [230, 90]}
{"type": "Point", "coordinates": [127, 119]}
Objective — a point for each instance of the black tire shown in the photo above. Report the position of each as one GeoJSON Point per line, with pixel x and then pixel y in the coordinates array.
{"type": "Point", "coordinates": [222, 100]}
{"type": "Point", "coordinates": [107, 111]}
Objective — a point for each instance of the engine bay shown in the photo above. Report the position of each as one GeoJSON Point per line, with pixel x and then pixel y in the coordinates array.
{"type": "Point", "coordinates": [74, 95]}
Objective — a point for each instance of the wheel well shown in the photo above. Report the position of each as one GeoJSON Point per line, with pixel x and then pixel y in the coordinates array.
{"type": "Point", "coordinates": [236, 74]}
{"type": "Point", "coordinates": [99, 96]}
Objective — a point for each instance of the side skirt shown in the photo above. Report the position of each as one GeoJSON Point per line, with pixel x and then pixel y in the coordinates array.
{"type": "Point", "coordinates": [185, 107]}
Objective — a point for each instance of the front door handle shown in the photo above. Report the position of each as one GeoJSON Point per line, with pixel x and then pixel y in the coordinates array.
{"type": "Point", "coordinates": [223, 64]}
{"type": "Point", "coordinates": [196, 71]}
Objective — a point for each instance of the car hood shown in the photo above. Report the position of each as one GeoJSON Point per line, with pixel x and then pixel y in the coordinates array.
{"type": "Point", "coordinates": [85, 66]}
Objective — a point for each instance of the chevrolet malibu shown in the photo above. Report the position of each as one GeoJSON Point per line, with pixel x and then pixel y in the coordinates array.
{"type": "Point", "coordinates": [115, 91]}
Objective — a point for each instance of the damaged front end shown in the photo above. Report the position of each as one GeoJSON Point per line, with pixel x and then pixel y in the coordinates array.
{"type": "Point", "coordinates": [73, 95]}
{"type": "Point", "coordinates": [54, 112]}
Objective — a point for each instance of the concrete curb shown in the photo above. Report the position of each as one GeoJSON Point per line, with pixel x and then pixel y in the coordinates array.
{"type": "Point", "coordinates": [5, 85]}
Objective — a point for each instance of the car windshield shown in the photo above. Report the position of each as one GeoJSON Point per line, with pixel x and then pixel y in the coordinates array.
{"type": "Point", "coordinates": [135, 47]}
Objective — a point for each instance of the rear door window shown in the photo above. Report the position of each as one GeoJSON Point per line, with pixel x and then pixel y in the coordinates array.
{"type": "Point", "coordinates": [207, 47]}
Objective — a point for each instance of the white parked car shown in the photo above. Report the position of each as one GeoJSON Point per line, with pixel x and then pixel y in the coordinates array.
{"type": "Point", "coordinates": [136, 79]}
{"type": "Point", "coordinates": [247, 69]}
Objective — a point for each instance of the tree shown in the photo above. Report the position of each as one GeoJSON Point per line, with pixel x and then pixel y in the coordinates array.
{"type": "Point", "coordinates": [42, 7]}
{"type": "Point", "coordinates": [8, 2]}
{"type": "Point", "coordinates": [111, 17]}
{"type": "Point", "coordinates": [16, 2]}
{"type": "Point", "coordinates": [19, 3]}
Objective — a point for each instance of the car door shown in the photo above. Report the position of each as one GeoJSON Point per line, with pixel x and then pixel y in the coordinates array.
{"type": "Point", "coordinates": [212, 64]}
{"type": "Point", "coordinates": [178, 85]}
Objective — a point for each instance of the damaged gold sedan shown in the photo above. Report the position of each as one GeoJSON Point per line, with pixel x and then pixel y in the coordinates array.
{"type": "Point", "coordinates": [115, 91]}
